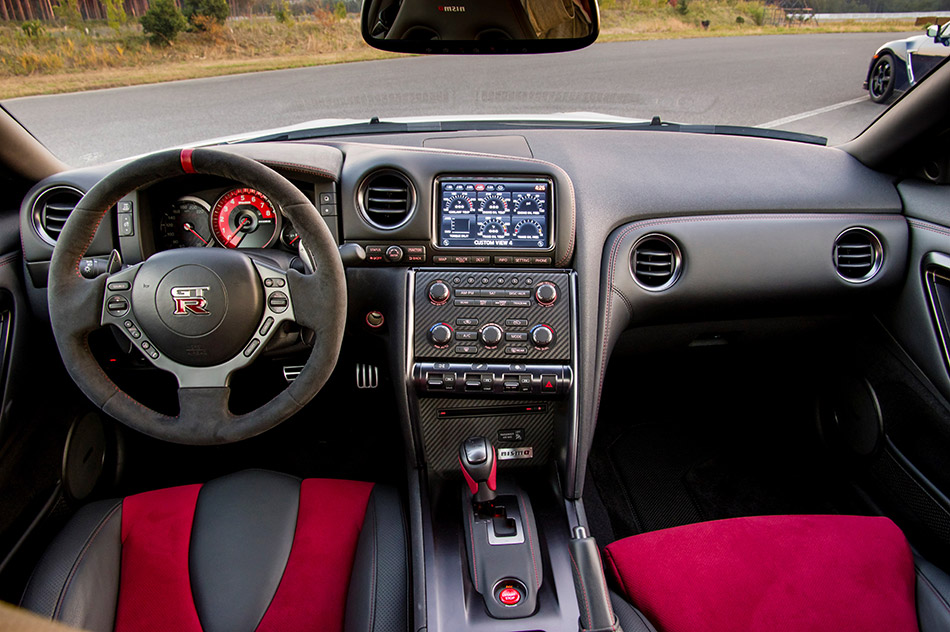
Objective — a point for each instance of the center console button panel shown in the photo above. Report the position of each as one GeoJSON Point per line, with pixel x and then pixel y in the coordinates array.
{"type": "Point", "coordinates": [493, 315]}
{"type": "Point", "coordinates": [477, 378]}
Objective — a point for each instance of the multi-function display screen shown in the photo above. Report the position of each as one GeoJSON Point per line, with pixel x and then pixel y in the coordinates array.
{"type": "Point", "coordinates": [508, 214]}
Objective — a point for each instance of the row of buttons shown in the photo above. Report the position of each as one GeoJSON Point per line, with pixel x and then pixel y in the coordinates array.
{"type": "Point", "coordinates": [509, 322]}
{"type": "Point", "coordinates": [126, 227]}
{"type": "Point", "coordinates": [395, 254]}
{"type": "Point", "coordinates": [472, 349]}
{"type": "Point", "coordinates": [492, 302]}
{"type": "Point", "coordinates": [510, 336]}
{"type": "Point", "coordinates": [469, 292]}
{"type": "Point", "coordinates": [511, 382]}
{"type": "Point", "coordinates": [472, 280]}
{"type": "Point", "coordinates": [505, 260]}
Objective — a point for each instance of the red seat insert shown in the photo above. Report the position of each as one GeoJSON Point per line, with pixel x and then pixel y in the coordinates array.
{"type": "Point", "coordinates": [771, 573]}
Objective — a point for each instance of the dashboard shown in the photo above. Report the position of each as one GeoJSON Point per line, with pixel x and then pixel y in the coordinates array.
{"type": "Point", "coordinates": [510, 265]}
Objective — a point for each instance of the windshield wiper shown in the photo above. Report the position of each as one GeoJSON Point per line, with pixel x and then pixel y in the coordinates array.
{"type": "Point", "coordinates": [375, 126]}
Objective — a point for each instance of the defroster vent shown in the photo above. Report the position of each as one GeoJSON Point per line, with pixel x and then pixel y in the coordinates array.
{"type": "Point", "coordinates": [656, 262]}
{"type": "Point", "coordinates": [386, 198]}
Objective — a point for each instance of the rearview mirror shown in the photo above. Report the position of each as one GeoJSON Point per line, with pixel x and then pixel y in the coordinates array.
{"type": "Point", "coordinates": [479, 26]}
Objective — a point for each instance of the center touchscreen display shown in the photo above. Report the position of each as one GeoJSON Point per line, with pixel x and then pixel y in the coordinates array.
{"type": "Point", "coordinates": [508, 214]}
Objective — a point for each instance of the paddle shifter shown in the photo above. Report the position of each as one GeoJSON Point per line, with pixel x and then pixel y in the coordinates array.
{"type": "Point", "coordinates": [477, 457]}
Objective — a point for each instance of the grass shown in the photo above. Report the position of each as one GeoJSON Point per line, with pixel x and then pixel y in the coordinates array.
{"type": "Point", "coordinates": [61, 59]}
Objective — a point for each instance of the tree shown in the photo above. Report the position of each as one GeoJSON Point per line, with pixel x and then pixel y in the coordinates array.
{"type": "Point", "coordinates": [68, 12]}
{"type": "Point", "coordinates": [115, 14]}
{"type": "Point", "coordinates": [217, 10]}
{"type": "Point", "coordinates": [163, 21]}
{"type": "Point", "coordinates": [340, 10]}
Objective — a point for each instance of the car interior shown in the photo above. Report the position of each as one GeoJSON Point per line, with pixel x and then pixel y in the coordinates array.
{"type": "Point", "coordinates": [483, 377]}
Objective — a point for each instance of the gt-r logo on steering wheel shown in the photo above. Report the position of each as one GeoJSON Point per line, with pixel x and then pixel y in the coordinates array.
{"type": "Point", "coordinates": [190, 300]}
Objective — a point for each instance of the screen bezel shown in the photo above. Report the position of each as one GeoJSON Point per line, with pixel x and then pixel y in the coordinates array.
{"type": "Point", "coordinates": [550, 216]}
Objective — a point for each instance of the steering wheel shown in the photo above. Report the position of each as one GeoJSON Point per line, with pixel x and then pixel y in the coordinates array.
{"type": "Point", "coordinates": [199, 313]}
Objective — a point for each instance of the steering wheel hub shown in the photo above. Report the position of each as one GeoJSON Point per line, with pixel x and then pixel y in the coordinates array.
{"type": "Point", "coordinates": [182, 300]}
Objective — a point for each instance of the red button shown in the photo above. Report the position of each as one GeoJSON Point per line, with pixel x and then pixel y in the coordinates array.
{"type": "Point", "coordinates": [509, 596]}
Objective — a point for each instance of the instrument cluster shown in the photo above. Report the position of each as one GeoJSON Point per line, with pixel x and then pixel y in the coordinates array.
{"type": "Point", "coordinates": [238, 217]}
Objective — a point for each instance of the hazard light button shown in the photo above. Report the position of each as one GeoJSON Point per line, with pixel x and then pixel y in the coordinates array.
{"type": "Point", "coordinates": [548, 383]}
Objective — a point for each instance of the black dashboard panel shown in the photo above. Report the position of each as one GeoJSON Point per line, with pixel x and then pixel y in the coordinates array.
{"type": "Point", "coordinates": [790, 198]}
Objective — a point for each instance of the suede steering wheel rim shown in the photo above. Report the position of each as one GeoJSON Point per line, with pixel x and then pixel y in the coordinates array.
{"type": "Point", "coordinates": [190, 307]}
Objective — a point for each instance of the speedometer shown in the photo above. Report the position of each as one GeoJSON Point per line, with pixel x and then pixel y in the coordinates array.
{"type": "Point", "coordinates": [244, 218]}
{"type": "Point", "coordinates": [185, 223]}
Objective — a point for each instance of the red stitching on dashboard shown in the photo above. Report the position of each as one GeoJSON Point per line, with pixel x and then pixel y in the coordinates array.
{"type": "Point", "coordinates": [296, 166]}
{"type": "Point", "coordinates": [934, 228]}
{"type": "Point", "coordinates": [692, 220]}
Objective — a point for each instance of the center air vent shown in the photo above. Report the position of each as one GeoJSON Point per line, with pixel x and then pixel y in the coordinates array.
{"type": "Point", "coordinates": [858, 255]}
{"type": "Point", "coordinates": [656, 262]}
{"type": "Point", "coordinates": [51, 210]}
{"type": "Point", "coordinates": [386, 198]}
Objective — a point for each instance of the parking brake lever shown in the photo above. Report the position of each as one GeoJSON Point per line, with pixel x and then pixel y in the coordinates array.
{"type": "Point", "coordinates": [597, 615]}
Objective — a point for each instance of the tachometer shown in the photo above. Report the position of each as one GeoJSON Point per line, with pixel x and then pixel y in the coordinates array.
{"type": "Point", "coordinates": [244, 218]}
{"type": "Point", "coordinates": [186, 223]}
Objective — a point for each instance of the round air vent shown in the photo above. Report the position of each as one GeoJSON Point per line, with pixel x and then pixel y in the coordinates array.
{"type": "Point", "coordinates": [857, 255]}
{"type": "Point", "coordinates": [386, 199]}
{"type": "Point", "coordinates": [656, 262]}
{"type": "Point", "coordinates": [51, 209]}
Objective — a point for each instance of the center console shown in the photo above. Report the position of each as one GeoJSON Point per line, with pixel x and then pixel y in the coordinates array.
{"type": "Point", "coordinates": [492, 356]}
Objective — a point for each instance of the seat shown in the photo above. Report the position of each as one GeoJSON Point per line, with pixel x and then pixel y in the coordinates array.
{"type": "Point", "coordinates": [774, 573]}
{"type": "Point", "coordinates": [255, 550]}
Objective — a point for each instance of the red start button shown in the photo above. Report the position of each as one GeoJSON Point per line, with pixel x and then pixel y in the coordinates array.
{"type": "Point", "coordinates": [509, 596]}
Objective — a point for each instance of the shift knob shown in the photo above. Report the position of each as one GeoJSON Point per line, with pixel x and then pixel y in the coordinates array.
{"type": "Point", "coordinates": [479, 465]}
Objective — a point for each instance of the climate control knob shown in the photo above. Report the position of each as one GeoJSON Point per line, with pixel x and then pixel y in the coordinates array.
{"type": "Point", "coordinates": [440, 334]}
{"type": "Point", "coordinates": [490, 335]}
{"type": "Point", "coordinates": [546, 294]}
{"type": "Point", "coordinates": [542, 336]}
{"type": "Point", "coordinates": [439, 293]}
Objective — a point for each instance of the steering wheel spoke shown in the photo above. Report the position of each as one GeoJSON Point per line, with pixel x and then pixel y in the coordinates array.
{"type": "Point", "coordinates": [117, 310]}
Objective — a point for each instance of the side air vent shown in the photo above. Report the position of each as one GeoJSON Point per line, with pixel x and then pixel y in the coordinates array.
{"type": "Point", "coordinates": [656, 262]}
{"type": "Point", "coordinates": [858, 255]}
{"type": "Point", "coordinates": [386, 199]}
{"type": "Point", "coordinates": [51, 209]}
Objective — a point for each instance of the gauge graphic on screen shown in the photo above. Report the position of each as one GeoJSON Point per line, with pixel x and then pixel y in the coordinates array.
{"type": "Point", "coordinates": [244, 218]}
{"type": "Point", "coordinates": [529, 204]}
{"type": "Point", "coordinates": [493, 204]}
{"type": "Point", "coordinates": [492, 229]}
{"type": "Point", "coordinates": [460, 203]}
{"type": "Point", "coordinates": [186, 223]}
{"type": "Point", "coordinates": [528, 229]}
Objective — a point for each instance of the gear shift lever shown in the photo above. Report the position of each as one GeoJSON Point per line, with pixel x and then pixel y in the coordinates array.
{"type": "Point", "coordinates": [478, 460]}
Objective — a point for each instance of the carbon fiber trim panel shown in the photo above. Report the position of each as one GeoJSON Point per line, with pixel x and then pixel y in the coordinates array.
{"type": "Point", "coordinates": [558, 316]}
{"type": "Point", "coordinates": [442, 437]}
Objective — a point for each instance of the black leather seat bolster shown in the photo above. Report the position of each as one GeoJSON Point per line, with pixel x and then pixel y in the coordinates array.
{"type": "Point", "coordinates": [77, 580]}
{"type": "Point", "coordinates": [630, 619]}
{"type": "Point", "coordinates": [933, 596]}
{"type": "Point", "coordinates": [377, 597]}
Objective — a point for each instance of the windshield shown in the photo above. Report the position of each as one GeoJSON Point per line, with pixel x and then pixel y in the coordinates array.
{"type": "Point", "coordinates": [94, 83]}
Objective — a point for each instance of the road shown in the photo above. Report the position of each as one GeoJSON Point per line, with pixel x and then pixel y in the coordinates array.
{"type": "Point", "coordinates": [809, 83]}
